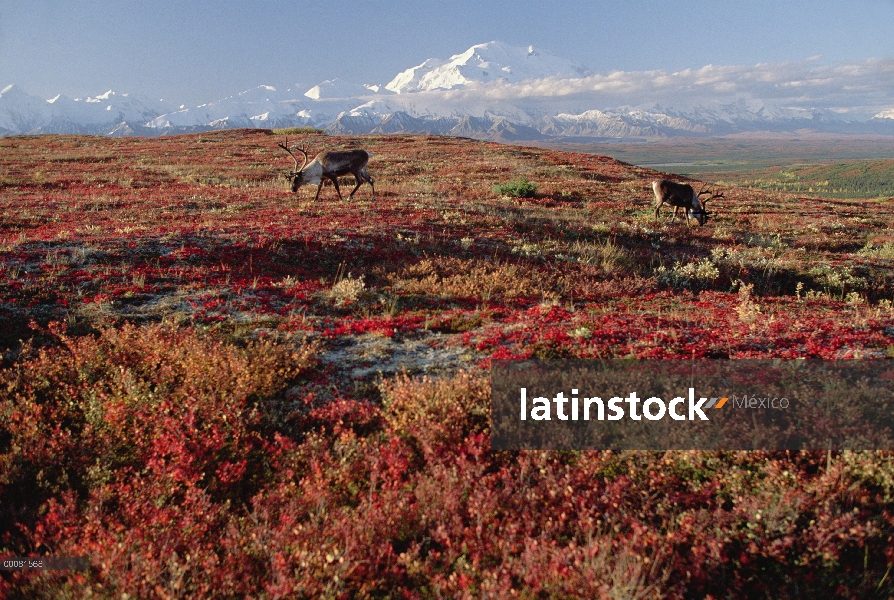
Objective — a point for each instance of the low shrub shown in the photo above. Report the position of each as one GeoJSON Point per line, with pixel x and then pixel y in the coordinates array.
{"type": "Point", "coordinates": [437, 411]}
{"type": "Point", "coordinates": [132, 446]}
{"type": "Point", "coordinates": [518, 188]}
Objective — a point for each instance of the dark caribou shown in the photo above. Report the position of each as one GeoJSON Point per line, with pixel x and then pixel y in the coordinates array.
{"type": "Point", "coordinates": [329, 164]}
{"type": "Point", "coordinates": [681, 195]}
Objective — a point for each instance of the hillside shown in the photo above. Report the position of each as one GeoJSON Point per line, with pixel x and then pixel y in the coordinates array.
{"type": "Point", "coordinates": [216, 388]}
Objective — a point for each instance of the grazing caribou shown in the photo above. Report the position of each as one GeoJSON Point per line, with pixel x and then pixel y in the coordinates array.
{"type": "Point", "coordinates": [681, 195]}
{"type": "Point", "coordinates": [329, 165]}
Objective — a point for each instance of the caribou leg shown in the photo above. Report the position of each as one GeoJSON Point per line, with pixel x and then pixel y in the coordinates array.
{"type": "Point", "coordinates": [360, 178]}
{"type": "Point", "coordinates": [319, 187]}
{"type": "Point", "coordinates": [337, 191]}
{"type": "Point", "coordinates": [370, 180]}
{"type": "Point", "coordinates": [356, 187]}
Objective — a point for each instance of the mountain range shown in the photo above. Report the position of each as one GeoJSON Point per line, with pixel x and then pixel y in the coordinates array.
{"type": "Point", "coordinates": [491, 91]}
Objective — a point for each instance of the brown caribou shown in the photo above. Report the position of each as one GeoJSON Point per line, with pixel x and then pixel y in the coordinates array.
{"type": "Point", "coordinates": [329, 164]}
{"type": "Point", "coordinates": [681, 195]}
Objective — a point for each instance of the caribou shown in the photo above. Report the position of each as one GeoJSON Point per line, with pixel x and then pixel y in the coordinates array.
{"type": "Point", "coordinates": [681, 195]}
{"type": "Point", "coordinates": [329, 165]}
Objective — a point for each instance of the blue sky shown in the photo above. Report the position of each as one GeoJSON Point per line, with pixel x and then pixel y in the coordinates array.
{"type": "Point", "coordinates": [196, 51]}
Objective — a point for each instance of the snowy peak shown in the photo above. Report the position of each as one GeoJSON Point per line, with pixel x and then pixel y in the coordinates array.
{"type": "Point", "coordinates": [261, 106]}
{"type": "Point", "coordinates": [101, 97]}
{"type": "Point", "coordinates": [409, 80]}
{"type": "Point", "coordinates": [14, 93]}
{"type": "Point", "coordinates": [337, 88]}
{"type": "Point", "coordinates": [484, 63]}
{"type": "Point", "coordinates": [19, 111]}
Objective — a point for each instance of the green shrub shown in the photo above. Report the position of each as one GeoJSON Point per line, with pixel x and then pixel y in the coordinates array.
{"type": "Point", "coordinates": [519, 188]}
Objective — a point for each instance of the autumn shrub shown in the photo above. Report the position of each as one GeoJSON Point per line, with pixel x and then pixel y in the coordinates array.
{"type": "Point", "coordinates": [346, 290]}
{"type": "Point", "coordinates": [840, 279]}
{"type": "Point", "coordinates": [437, 411]}
{"type": "Point", "coordinates": [142, 425]}
{"type": "Point", "coordinates": [486, 280]}
{"type": "Point", "coordinates": [610, 257]}
{"type": "Point", "coordinates": [696, 275]}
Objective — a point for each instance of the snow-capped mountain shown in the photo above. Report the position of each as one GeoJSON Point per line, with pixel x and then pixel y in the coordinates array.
{"type": "Point", "coordinates": [19, 111]}
{"type": "Point", "coordinates": [488, 62]}
{"type": "Point", "coordinates": [109, 113]}
{"type": "Point", "coordinates": [263, 106]}
{"type": "Point", "coordinates": [490, 91]}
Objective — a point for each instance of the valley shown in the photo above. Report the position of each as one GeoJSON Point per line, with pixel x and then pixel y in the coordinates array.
{"type": "Point", "coordinates": [838, 166]}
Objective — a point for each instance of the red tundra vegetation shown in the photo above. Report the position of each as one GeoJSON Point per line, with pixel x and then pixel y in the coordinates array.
{"type": "Point", "coordinates": [212, 387]}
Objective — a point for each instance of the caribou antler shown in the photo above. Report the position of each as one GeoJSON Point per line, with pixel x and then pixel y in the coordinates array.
{"type": "Point", "coordinates": [712, 196]}
{"type": "Point", "coordinates": [711, 193]}
{"type": "Point", "coordinates": [285, 146]}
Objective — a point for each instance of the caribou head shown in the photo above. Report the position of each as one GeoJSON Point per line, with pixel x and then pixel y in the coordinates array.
{"type": "Point", "coordinates": [295, 176]}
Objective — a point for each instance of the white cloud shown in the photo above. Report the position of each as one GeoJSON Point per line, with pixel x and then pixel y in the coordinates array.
{"type": "Point", "coordinates": [860, 88]}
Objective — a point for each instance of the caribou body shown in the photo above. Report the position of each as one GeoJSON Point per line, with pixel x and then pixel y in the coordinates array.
{"type": "Point", "coordinates": [329, 164]}
{"type": "Point", "coordinates": [681, 195]}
